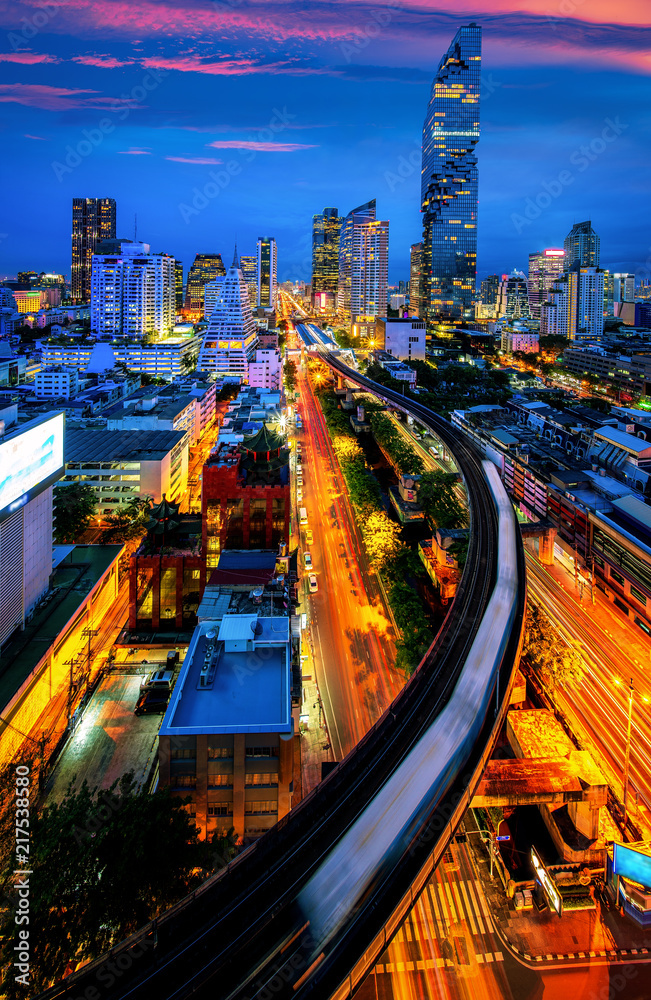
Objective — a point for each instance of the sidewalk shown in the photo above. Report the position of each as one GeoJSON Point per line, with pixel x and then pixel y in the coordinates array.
{"type": "Point", "coordinates": [315, 744]}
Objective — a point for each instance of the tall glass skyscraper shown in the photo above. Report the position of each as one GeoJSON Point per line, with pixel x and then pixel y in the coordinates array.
{"type": "Point", "coordinates": [449, 181]}
{"type": "Point", "coordinates": [326, 229]}
{"type": "Point", "coordinates": [205, 267]}
{"type": "Point", "coordinates": [582, 246]}
{"type": "Point", "coordinates": [93, 220]}
{"type": "Point", "coordinates": [363, 264]}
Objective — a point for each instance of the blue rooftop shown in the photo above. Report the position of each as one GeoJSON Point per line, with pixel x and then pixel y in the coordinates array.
{"type": "Point", "coordinates": [249, 690]}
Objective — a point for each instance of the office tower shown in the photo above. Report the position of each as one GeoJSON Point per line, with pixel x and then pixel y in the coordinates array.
{"type": "Point", "coordinates": [212, 291]}
{"type": "Point", "coordinates": [230, 341]}
{"type": "Point", "coordinates": [449, 181]}
{"type": "Point", "coordinates": [415, 259]}
{"type": "Point", "coordinates": [133, 293]}
{"type": "Point", "coordinates": [205, 267]}
{"type": "Point", "coordinates": [575, 306]}
{"type": "Point", "coordinates": [582, 246]}
{"type": "Point", "coordinates": [489, 289]}
{"type": "Point", "coordinates": [178, 285]}
{"type": "Point", "coordinates": [363, 264]}
{"type": "Point", "coordinates": [545, 266]}
{"type": "Point", "coordinates": [249, 268]}
{"type": "Point", "coordinates": [609, 293]}
{"type": "Point", "coordinates": [623, 287]}
{"type": "Point", "coordinates": [93, 219]}
{"type": "Point", "coordinates": [512, 296]}
{"type": "Point", "coordinates": [326, 230]}
{"type": "Point", "coordinates": [266, 272]}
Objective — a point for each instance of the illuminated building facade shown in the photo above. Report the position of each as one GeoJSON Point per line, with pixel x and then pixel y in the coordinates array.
{"type": "Point", "coordinates": [93, 219]}
{"type": "Point", "coordinates": [326, 230]}
{"type": "Point", "coordinates": [205, 267]}
{"type": "Point", "coordinates": [415, 263]}
{"type": "Point", "coordinates": [545, 266]}
{"type": "Point", "coordinates": [230, 341]}
{"type": "Point", "coordinates": [449, 181]}
{"type": "Point", "coordinates": [575, 306]}
{"type": "Point", "coordinates": [582, 246]}
{"type": "Point", "coordinates": [178, 285]}
{"type": "Point", "coordinates": [267, 272]}
{"type": "Point", "coordinates": [133, 293]}
{"type": "Point", "coordinates": [363, 265]}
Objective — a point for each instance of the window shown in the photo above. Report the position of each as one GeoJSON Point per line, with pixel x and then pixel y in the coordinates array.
{"type": "Point", "coordinates": [620, 604]}
{"type": "Point", "coordinates": [256, 808]}
{"type": "Point", "coordinates": [221, 809]}
{"type": "Point", "coordinates": [262, 751]}
{"type": "Point", "coordinates": [638, 595]}
{"type": "Point", "coordinates": [184, 781]}
{"type": "Point", "coordinates": [220, 781]}
{"type": "Point", "coordinates": [217, 753]}
{"type": "Point", "coordinates": [271, 778]}
{"type": "Point", "coordinates": [617, 577]}
{"type": "Point", "coordinates": [183, 753]}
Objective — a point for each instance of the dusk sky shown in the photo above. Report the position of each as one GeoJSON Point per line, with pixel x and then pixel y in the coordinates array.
{"type": "Point", "coordinates": [281, 108]}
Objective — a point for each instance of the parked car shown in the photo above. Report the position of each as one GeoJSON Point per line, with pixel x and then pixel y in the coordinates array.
{"type": "Point", "coordinates": [313, 583]}
{"type": "Point", "coordinates": [299, 495]}
{"type": "Point", "coordinates": [307, 559]}
{"type": "Point", "coordinates": [152, 703]}
{"type": "Point", "coordinates": [158, 680]}
{"type": "Point", "coordinates": [299, 481]}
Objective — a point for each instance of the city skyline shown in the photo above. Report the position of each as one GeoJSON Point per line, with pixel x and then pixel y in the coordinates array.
{"type": "Point", "coordinates": [544, 96]}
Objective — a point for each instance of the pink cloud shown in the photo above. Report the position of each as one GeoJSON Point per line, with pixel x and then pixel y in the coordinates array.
{"type": "Point", "coordinates": [261, 147]}
{"type": "Point", "coordinates": [135, 151]}
{"type": "Point", "coordinates": [41, 137]}
{"type": "Point", "coordinates": [48, 98]}
{"type": "Point", "coordinates": [203, 160]}
{"type": "Point", "coordinates": [229, 67]}
{"type": "Point", "coordinates": [103, 62]}
{"type": "Point", "coordinates": [27, 58]}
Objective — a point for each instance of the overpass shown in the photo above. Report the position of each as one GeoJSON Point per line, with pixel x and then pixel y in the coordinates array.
{"type": "Point", "coordinates": [307, 909]}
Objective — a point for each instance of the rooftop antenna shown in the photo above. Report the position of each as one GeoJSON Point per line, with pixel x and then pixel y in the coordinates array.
{"type": "Point", "coordinates": [236, 262]}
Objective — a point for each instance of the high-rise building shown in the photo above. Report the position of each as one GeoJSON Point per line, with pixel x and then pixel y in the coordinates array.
{"type": "Point", "coordinates": [249, 268]}
{"type": "Point", "coordinates": [230, 341]}
{"type": "Point", "coordinates": [93, 219]}
{"type": "Point", "coordinates": [133, 293]}
{"type": "Point", "coordinates": [489, 289]}
{"type": "Point", "coordinates": [581, 246]}
{"type": "Point", "coordinates": [267, 272]}
{"type": "Point", "coordinates": [449, 181]}
{"type": "Point", "coordinates": [326, 229]}
{"type": "Point", "coordinates": [415, 260]}
{"type": "Point", "coordinates": [178, 285]}
{"type": "Point", "coordinates": [363, 265]}
{"type": "Point", "coordinates": [545, 266]}
{"type": "Point", "coordinates": [512, 297]}
{"type": "Point", "coordinates": [623, 287]}
{"type": "Point", "coordinates": [575, 308]}
{"type": "Point", "coordinates": [205, 267]}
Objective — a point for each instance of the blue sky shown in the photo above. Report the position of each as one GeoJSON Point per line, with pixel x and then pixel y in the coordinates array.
{"type": "Point", "coordinates": [217, 119]}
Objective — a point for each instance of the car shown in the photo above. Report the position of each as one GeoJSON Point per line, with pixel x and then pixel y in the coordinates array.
{"type": "Point", "coordinates": [299, 464]}
{"type": "Point", "coordinates": [299, 495]}
{"type": "Point", "coordinates": [158, 680]}
{"type": "Point", "coordinates": [299, 482]}
{"type": "Point", "coordinates": [152, 703]}
{"type": "Point", "coordinates": [298, 447]}
{"type": "Point", "coordinates": [313, 583]}
{"type": "Point", "coordinates": [307, 559]}
{"type": "Point", "coordinates": [309, 536]}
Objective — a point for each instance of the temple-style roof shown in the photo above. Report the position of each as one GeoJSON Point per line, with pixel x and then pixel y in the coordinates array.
{"type": "Point", "coordinates": [263, 442]}
{"type": "Point", "coordinates": [163, 517]}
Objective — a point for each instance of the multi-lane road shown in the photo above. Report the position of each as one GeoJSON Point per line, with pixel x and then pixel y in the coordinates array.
{"type": "Point", "coordinates": [351, 638]}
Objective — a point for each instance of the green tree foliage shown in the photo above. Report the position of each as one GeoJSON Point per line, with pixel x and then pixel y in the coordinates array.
{"type": "Point", "coordinates": [557, 663]}
{"type": "Point", "coordinates": [437, 494]}
{"type": "Point", "coordinates": [403, 457]}
{"type": "Point", "coordinates": [128, 521]}
{"type": "Point", "coordinates": [103, 864]}
{"type": "Point", "coordinates": [73, 507]}
{"type": "Point", "coordinates": [344, 339]}
{"type": "Point", "coordinates": [381, 538]}
{"type": "Point", "coordinates": [337, 421]}
{"type": "Point", "coordinates": [290, 374]}
{"type": "Point", "coordinates": [416, 635]}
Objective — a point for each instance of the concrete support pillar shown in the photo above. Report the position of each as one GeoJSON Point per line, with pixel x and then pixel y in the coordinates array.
{"type": "Point", "coordinates": [340, 382]}
{"type": "Point", "coordinates": [546, 547]}
{"type": "Point", "coordinates": [285, 775]}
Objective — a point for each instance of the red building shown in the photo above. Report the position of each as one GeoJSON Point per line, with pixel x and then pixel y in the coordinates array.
{"type": "Point", "coordinates": [245, 497]}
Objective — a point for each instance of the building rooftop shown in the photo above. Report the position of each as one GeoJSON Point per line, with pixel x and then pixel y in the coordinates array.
{"type": "Point", "coordinates": [245, 690]}
{"type": "Point", "coordinates": [127, 446]}
{"type": "Point", "coordinates": [628, 442]}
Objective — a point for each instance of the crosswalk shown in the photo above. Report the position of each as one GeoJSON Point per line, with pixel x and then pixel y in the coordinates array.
{"type": "Point", "coordinates": [451, 918]}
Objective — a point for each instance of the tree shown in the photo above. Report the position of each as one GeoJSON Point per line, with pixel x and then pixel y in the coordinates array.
{"type": "Point", "coordinates": [381, 539]}
{"type": "Point", "coordinates": [557, 663]}
{"type": "Point", "coordinates": [290, 374]}
{"type": "Point", "coordinates": [437, 494]}
{"type": "Point", "coordinates": [74, 506]}
{"type": "Point", "coordinates": [128, 521]}
{"type": "Point", "coordinates": [103, 864]}
{"type": "Point", "coordinates": [347, 450]}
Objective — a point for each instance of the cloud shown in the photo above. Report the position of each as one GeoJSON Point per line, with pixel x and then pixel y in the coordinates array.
{"type": "Point", "coordinates": [103, 62]}
{"type": "Point", "coordinates": [41, 137]}
{"type": "Point", "coordinates": [203, 160]}
{"type": "Point", "coordinates": [36, 95]}
{"type": "Point", "coordinates": [232, 67]}
{"type": "Point", "coordinates": [27, 58]}
{"type": "Point", "coordinates": [135, 151]}
{"type": "Point", "coordinates": [260, 147]}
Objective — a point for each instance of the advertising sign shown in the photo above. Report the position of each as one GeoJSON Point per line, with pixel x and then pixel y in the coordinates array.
{"type": "Point", "coordinates": [552, 894]}
{"type": "Point", "coordinates": [30, 461]}
{"type": "Point", "coordinates": [632, 864]}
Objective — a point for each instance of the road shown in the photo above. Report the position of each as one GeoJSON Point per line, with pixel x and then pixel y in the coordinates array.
{"type": "Point", "coordinates": [352, 641]}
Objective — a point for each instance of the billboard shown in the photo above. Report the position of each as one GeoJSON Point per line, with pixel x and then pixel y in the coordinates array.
{"type": "Point", "coordinates": [632, 864]}
{"type": "Point", "coordinates": [30, 461]}
{"type": "Point", "coordinates": [552, 894]}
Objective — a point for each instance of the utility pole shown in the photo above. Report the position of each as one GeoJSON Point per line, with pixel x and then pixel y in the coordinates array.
{"type": "Point", "coordinates": [627, 757]}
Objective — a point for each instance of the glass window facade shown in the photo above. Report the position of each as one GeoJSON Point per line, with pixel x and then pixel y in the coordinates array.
{"type": "Point", "coordinates": [449, 181]}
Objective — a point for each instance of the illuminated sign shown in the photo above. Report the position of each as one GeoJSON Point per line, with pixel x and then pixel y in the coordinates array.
{"type": "Point", "coordinates": [551, 892]}
{"type": "Point", "coordinates": [632, 864]}
{"type": "Point", "coordinates": [30, 461]}
{"type": "Point", "coordinates": [554, 253]}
